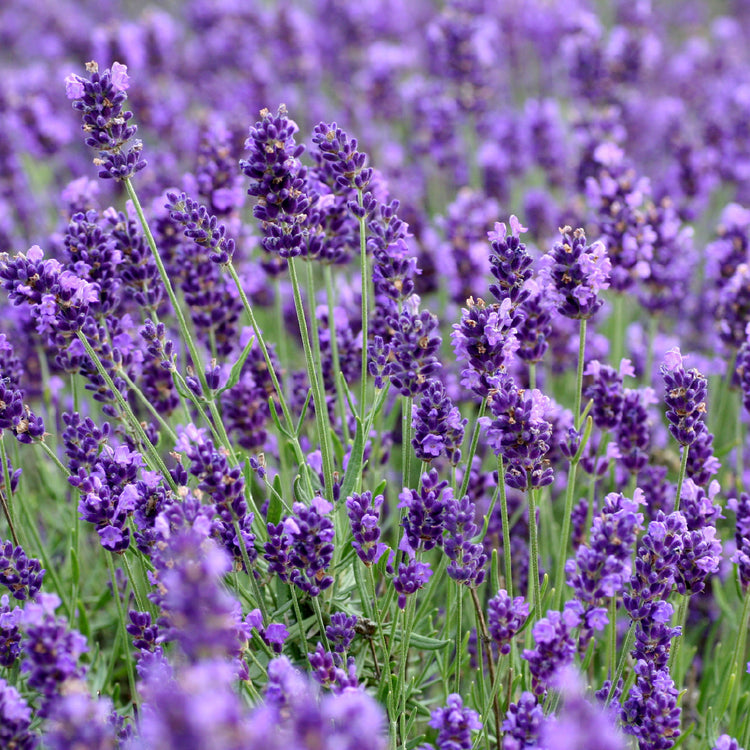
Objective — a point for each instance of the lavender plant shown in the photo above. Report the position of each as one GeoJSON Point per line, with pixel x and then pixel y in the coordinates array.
{"type": "Point", "coordinates": [251, 495]}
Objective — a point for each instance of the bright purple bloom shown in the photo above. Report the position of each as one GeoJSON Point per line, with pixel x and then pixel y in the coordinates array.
{"type": "Point", "coordinates": [100, 99]}
{"type": "Point", "coordinates": [505, 616]}
{"type": "Point", "coordinates": [20, 574]}
{"type": "Point", "coordinates": [413, 349]}
{"type": "Point", "coordinates": [340, 153]}
{"type": "Point", "coordinates": [725, 742]}
{"type": "Point", "coordinates": [438, 426]}
{"type": "Point", "coordinates": [686, 393]}
{"type": "Point", "coordinates": [741, 508]}
{"type": "Point", "coordinates": [411, 577]}
{"type": "Point", "coordinates": [510, 263]}
{"type": "Point", "coordinates": [17, 417]}
{"type": "Point", "coordinates": [486, 340]}
{"type": "Point", "coordinates": [50, 649]}
{"type": "Point", "coordinates": [523, 723]}
{"type": "Point", "coordinates": [364, 516]}
{"type": "Point", "coordinates": [328, 669]}
{"type": "Point", "coordinates": [425, 513]}
{"type": "Point", "coordinates": [578, 723]}
{"type": "Point", "coordinates": [15, 720]}
{"type": "Point", "coordinates": [555, 646]}
{"type": "Point", "coordinates": [468, 559]}
{"type": "Point", "coordinates": [202, 227]}
{"type": "Point", "coordinates": [520, 434]}
{"type": "Point", "coordinates": [535, 325]}
{"type": "Point", "coordinates": [277, 180]}
{"type": "Point", "coordinates": [578, 272]}
{"type": "Point", "coordinates": [607, 392]}
{"type": "Point", "coordinates": [633, 434]}
{"type": "Point", "coordinates": [10, 632]}
{"type": "Point", "coordinates": [455, 724]}
{"type": "Point", "coordinates": [78, 720]}
{"type": "Point", "coordinates": [340, 632]}
{"type": "Point", "coordinates": [651, 713]}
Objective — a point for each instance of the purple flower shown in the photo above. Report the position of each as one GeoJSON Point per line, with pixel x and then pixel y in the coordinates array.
{"type": "Point", "coordinates": [505, 616]}
{"type": "Point", "coordinates": [686, 393]}
{"type": "Point", "coordinates": [438, 426]}
{"type": "Point", "coordinates": [51, 650]}
{"type": "Point", "coordinates": [364, 517]}
{"type": "Point", "coordinates": [486, 339]}
{"type": "Point", "coordinates": [100, 99]}
{"type": "Point", "coordinates": [20, 574]}
{"type": "Point", "coordinates": [510, 263]}
{"type": "Point", "coordinates": [523, 723]}
{"type": "Point", "coordinates": [607, 392]}
{"type": "Point", "coordinates": [468, 559]}
{"type": "Point", "coordinates": [424, 519]}
{"type": "Point", "coordinates": [340, 632]}
{"type": "Point", "coordinates": [277, 180]}
{"type": "Point", "coordinates": [651, 713]}
{"type": "Point", "coordinates": [555, 646]}
{"type": "Point", "coordinates": [601, 568]}
{"type": "Point", "coordinates": [413, 349]}
{"type": "Point", "coordinates": [577, 272]}
{"type": "Point", "coordinates": [328, 670]}
{"type": "Point", "coordinates": [10, 632]}
{"type": "Point", "coordinates": [78, 720]}
{"type": "Point", "coordinates": [341, 156]}
{"type": "Point", "coordinates": [454, 724]}
{"type": "Point", "coordinates": [411, 577]}
{"type": "Point", "coordinates": [578, 723]}
{"type": "Point", "coordinates": [300, 549]}
{"type": "Point", "coordinates": [633, 434]}
{"type": "Point", "coordinates": [201, 226]}
{"type": "Point", "coordinates": [725, 742]}
{"type": "Point", "coordinates": [15, 720]}
{"type": "Point", "coordinates": [520, 434]}
{"type": "Point", "coordinates": [741, 508]}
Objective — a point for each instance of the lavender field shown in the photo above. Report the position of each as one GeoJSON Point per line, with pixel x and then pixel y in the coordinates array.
{"type": "Point", "coordinates": [374, 375]}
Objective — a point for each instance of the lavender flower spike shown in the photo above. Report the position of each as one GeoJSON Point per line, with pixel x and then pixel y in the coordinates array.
{"type": "Point", "coordinates": [454, 724]}
{"type": "Point", "coordinates": [686, 393]}
{"type": "Point", "coordinates": [100, 100]}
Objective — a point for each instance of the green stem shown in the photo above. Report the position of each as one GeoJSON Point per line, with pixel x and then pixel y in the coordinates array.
{"type": "Point", "coordinates": [681, 476]}
{"type": "Point", "coordinates": [487, 648]}
{"type": "Point", "coordinates": [340, 397]}
{"type": "Point", "coordinates": [459, 634]}
{"type": "Point", "coordinates": [506, 526]}
{"type": "Point", "coordinates": [127, 412]}
{"type": "Point", "coordinates": [123, 627]}
{"type": "Point", "coordinates": [313, 374]}
{"type": "Point", "coordinates": [738, 657]}
{"type": "Point", "coordinates": [365, 282]}
{"type": "Point", "coordinates": [299, 453]}
{"type": "Point", "coordinates": [406, 448]}
{"type": "Point", "coordinates": [472, 448]}
{"type": "Point", "coordinates": [534, 594]}
{"type": "Point", "coordinates": [579, 373]}
{"type": "Point", "coordinates": [627, 643]}
{"type": "Point", "coordinates": [6, 498]}
{"type": "Point", "coordinates": [298, 615]}
{"type": "Point", "coordinates": [565, 534]}
{"type": "Point", "coordinates": [673, 662]}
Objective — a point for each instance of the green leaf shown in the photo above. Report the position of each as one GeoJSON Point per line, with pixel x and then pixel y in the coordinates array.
{"type": "Point", "coordinates": [274, 502]}
{"type": "Point", "coordinates": [425, 642]}
{"type": "Point", "coordinates": [236, 371]}
{"type": "Point", "coordinates": [356, 460]}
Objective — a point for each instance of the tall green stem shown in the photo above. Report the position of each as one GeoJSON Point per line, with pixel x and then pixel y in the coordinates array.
{"type": "Point", "coordinates": [321, 410]}
{"type": "Point", "coordinates": [506, 526]}
{"type": "Point", "coordinates": [681, 476]}
{"type": "Point", "coordinates": [365, 282]}
{"type": "Point", "coordinates": [535, 593]}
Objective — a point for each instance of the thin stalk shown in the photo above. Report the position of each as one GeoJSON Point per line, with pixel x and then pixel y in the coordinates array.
{"type": "Point", "coordinates": [681, 476]}
{"type": "Point", "coordinates": [128, 412]}
{"type": "Point", "coordinates": [579, 373]}
{"type": "Point", "coordinates": [298, 615]}
{"type": "Point", "coordinates": [627, 643]}
{"type": "Point", "coordinates": [535, 593]}
{"type": "Point", "coordinates": [321, 411]}
{"type": "Point", "coordinates": [532, 375]}
{"type": "Point", "coordinates": [299, 453]}
{"type": "Point", "coordinates": [459, 634]}
{"type": "Point", "coordinates": [6, 498]}
{"type": "Point", "coordinates": [406, 449]}
{"type": "Point", "coordinates": [472, 448]}
{"type": "Point", "coordinates": [140, 600]}
{"type": "Point", "coordinates": [340, 397]}
{"type": "Point", "coordinates": [506, 526]}
{"type": "Point", "coordinates": [612, 633]}
{"type": "Point", "coordinates": [123, 628]}
{"type": "Point", "coordinates": [365, 282]}
{"type": "Point", "coordinates": [149, 406]}
{"type": "Point", "coordinates": [487, 647]}
{"type": "Point", "coordinates": [738, 657]}
{"type": "Point", "coordinates": [565, 534]}
{"type": "Point", "coordinates": [60, 465]}
{"type": "Point", "coordinates": [321, 625]}
{"type": "Point", "coordinates": [682, 610]}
